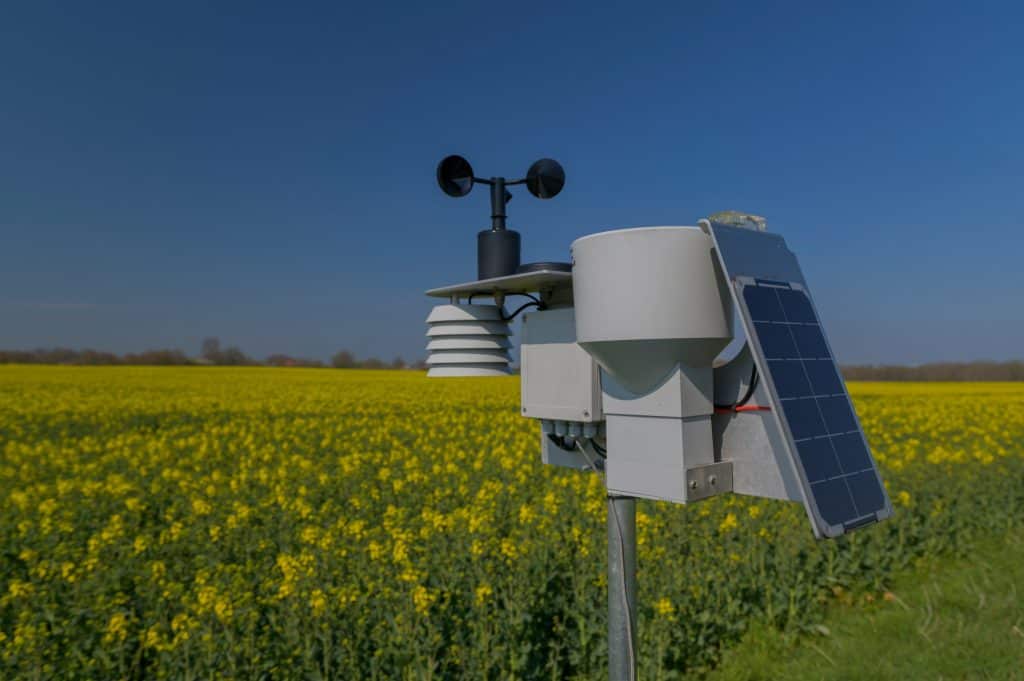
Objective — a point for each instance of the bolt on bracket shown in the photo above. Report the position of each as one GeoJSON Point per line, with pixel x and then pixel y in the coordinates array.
{"type": "Point", "coordinates": [707, 481]}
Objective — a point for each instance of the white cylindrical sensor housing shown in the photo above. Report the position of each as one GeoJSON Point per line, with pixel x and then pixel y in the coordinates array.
{"type": "Point", "coordinates": [648, 299]}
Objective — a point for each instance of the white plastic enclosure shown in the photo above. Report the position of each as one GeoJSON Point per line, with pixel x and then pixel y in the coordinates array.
{"type": "Point", "coordinates": [654, 311]}
{"type": "Point", "coordinates": [648, 299]}
{"type": "Point", "coordinates": [560, 381]}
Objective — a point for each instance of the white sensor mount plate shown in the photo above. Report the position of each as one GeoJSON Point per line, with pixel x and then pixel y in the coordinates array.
{"type": "Point", "coordinates": [527, 282]}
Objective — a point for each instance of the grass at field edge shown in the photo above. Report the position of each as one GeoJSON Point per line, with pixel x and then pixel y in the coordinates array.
{"type": "Point", "coordinates": [950, 619]}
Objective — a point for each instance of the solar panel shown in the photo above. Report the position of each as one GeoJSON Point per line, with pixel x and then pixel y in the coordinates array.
{"type": "Point", "coordinates": [841, 485]}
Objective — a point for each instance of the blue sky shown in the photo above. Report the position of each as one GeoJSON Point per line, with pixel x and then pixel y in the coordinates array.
{"type": "Point", "coordinates": [264, 173]}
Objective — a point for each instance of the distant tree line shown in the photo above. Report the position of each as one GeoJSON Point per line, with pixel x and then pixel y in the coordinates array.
{"type": "Point", "coordinates": [939, 371]}
{"type": "Point", "coordinates": [211, 353]}
{"type": "Point", "coordinates": [346, 360]}
{"type": "Point", "coordinates": [70, 356]}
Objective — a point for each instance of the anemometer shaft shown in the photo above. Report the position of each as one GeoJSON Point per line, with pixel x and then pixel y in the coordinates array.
{"type": "Point", "coordinates": [498, 201]}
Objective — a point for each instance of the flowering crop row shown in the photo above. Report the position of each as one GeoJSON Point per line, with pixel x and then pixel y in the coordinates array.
{"type": "Point", "coordinates": [260, 523]}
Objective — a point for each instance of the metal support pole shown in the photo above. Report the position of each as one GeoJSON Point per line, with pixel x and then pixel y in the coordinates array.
{"type": "Point", "coordinates": [622, 638]}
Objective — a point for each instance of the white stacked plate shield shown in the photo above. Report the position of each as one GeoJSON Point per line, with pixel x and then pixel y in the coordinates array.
{"type": "Point", "coordinates": [467, 340]}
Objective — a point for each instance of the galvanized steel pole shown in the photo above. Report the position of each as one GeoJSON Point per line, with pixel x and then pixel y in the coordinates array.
{"type": "Point", "coordinates": [622, 638]}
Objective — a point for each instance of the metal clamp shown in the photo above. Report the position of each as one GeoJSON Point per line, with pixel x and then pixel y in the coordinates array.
{"type": "Point", "coordinates": [707, 481]}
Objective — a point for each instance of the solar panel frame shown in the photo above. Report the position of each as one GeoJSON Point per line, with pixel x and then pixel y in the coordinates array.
{"type": "Point", "coordinates": [809, 421]}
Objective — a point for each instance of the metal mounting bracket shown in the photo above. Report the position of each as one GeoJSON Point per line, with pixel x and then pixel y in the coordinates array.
{"type": "Point", "coordinates": [707, 481]}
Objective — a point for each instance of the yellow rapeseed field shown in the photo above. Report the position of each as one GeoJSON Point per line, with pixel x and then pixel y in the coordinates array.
{"type": "Point", "coordinates": [261, 523]}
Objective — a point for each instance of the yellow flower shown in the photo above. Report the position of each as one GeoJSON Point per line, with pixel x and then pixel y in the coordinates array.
{"type": "Point", "coordinates": [483, 593]}
{"type": "Point", "coordinates": [346, 596]}
{"type": "Point", "coordinates": [318, 602]}
{"type": "Point", "coordinates": [223, 609]}
{"type": "Point", "coordinates": [729, 523]}
{"type": "Point", "coordinates": [422, 599]}
{"type": "Point", "coordinates": [152, 638]}
{"type": "Point", "coordinates": [205, 599]}
{"type": "Point", "coordinates": [117, 628]}
{"type": "Point", "coordinates": [18, 588]}
{"type": "Point", "coordinates": [664, 607]}
{"type": "Point", "coordinates": [182, 626]}
{"type": "Point", "coordinates": [509, 548]}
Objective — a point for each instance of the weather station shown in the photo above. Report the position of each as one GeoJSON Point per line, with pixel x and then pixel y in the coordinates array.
{"type": "Point", "coordinates": [621, 366]}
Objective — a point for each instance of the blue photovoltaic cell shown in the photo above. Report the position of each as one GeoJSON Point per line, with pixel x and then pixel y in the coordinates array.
{"type": "Point", "coordinates": [796, 306]}
{"type": "Point", "coordinates": [819, 459]}
{"type": "Point", "coordinates": [763, 304]}
{"type": "Point", "coordinates": [834, 501]}
{"type": "Point", "coordinates": [804, 418]}
{"type": "Point", "coordinates": [838, 414]}
{"type": "Point", "coordinates": [823, 377]}
{"type": "Point", "coordinates": [809, 341]}
{"type": "Point", "coordinates": [790, 378]}
{"type": "Point", "coordinates": [867, 493]}
{"type": "Point", "coordinates": [777, 341]}
{"type": "Point", "coordinates": [814, 403]}
{"type": "Point", "coordinates": [851, 452]}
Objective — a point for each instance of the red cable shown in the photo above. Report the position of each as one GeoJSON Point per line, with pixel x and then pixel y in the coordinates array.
{"type": "Point", "coordinates": [745, 407]}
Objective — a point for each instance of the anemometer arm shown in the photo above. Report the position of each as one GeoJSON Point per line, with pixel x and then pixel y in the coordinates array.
{"type": "Point", "coordinates": [508, 183]}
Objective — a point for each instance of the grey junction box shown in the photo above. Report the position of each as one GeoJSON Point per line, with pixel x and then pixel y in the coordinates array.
{"type": "Point", "coordinates": [560, 380]}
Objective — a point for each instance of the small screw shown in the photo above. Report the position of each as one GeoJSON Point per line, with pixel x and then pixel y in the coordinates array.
{"type": "Point", "coordinates": [693, 484]}
{"type": "Point", "coordinates": [586, 413]}
{"type": "Point", "coordinates": [712, 480]}
{"type": "Point", "coordinates": [524, 410]}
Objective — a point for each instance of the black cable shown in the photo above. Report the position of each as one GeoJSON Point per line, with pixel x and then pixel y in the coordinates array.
{"type": "Point", "coordinates": [754, 377]}
{"type": "Point", "coordinates": [559, 441]}
{"type": "Point", "coordinates": [469, 301]}
{"type": "Point", "coordinates": [522, 307]}
{"type": "Point", "coordinates": [746, 397]}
